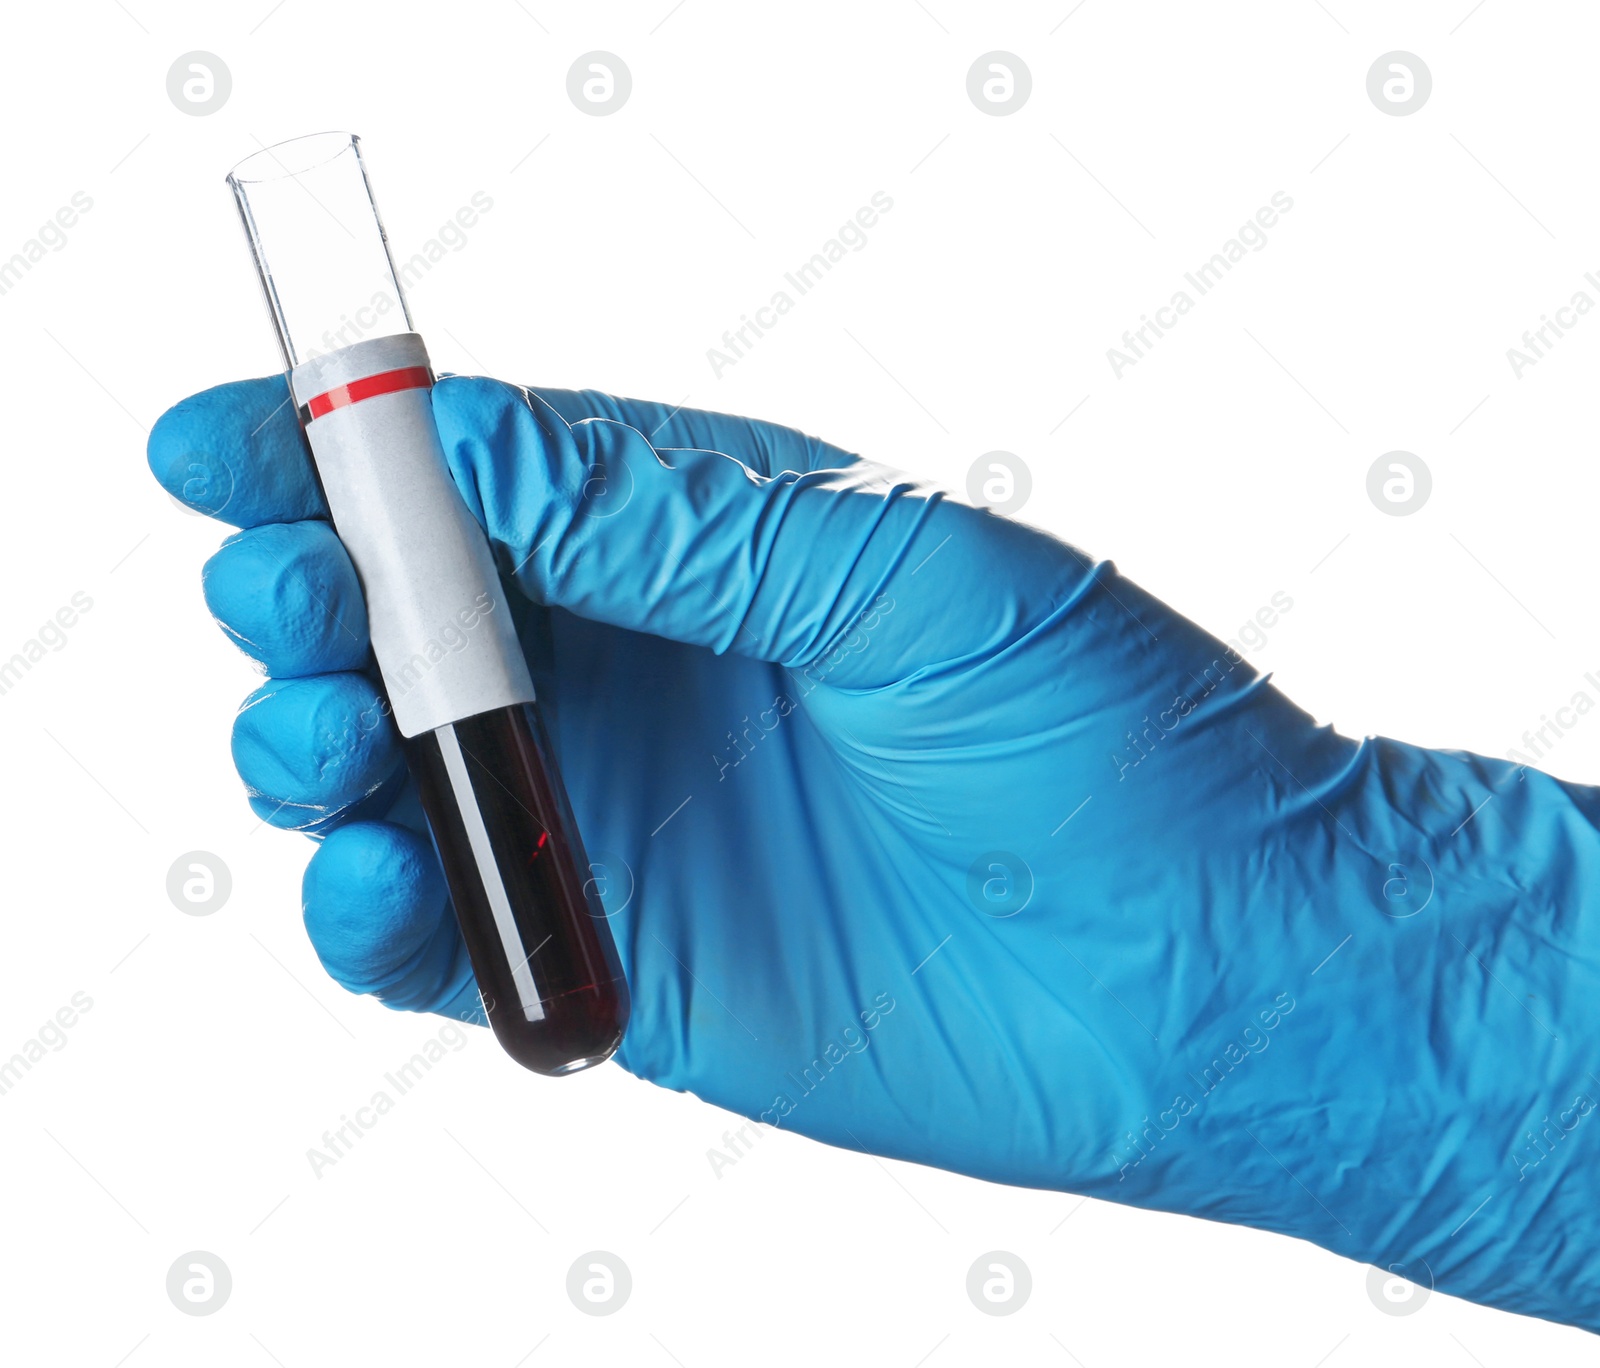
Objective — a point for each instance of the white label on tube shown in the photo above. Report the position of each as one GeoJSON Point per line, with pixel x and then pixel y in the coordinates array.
{"type": "Point", "coordinates": [441, 629]}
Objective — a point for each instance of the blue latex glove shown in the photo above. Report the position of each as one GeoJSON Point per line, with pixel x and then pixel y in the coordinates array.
{"type": "Point", "coordinates": [928, 836]}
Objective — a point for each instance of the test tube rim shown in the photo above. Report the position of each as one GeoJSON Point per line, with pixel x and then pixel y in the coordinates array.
{"type": "Point", "coordinates": [346, 142]}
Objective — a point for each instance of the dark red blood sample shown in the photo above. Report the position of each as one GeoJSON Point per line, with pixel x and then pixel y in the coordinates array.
{"type": "Point", "coordinates": [541, 948]}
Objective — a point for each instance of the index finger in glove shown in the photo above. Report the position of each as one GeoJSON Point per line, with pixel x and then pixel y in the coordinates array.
{"type": "Point", "coordinates": [236, 453]}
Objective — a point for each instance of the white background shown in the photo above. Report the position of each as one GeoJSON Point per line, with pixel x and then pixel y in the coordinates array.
{"type": "Point", "coordinates": [1227, 465]}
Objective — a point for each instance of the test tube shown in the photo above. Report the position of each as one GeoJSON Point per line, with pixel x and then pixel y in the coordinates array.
{"type": "Point", "coordinates": [452, 669]}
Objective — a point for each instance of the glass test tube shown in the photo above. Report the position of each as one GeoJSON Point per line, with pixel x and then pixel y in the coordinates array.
{"type": "Point", "coordinates": [452, 669]}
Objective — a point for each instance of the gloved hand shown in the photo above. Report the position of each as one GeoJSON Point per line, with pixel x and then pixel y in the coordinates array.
{"type": "Point", "coordinates": [926, 835]}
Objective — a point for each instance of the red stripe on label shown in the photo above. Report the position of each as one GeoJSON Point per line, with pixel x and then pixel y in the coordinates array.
{"type": "Point", "coordinates": [385, 382]}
